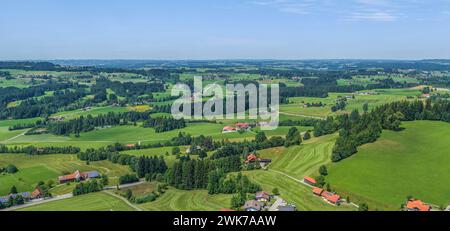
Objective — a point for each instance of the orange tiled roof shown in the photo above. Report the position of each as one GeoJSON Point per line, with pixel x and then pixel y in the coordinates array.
{"type": "Point", "coordinates": [228, 128]}
{"type": "Point", "coordinates": [331, 197]}
{"type": "Point", "coordinates": [417, 204]}
{"type": "Point", "coordinates": [310, 179]}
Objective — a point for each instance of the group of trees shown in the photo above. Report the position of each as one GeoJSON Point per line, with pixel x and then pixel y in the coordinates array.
{"type": "Point", "coordinates": [87, 187]}
{"type": "Point", "coordinates": [194, 174]}
{"type": "Point", "coordinates": [220, 182]}
{"type": "Point", "coordinates": [128, 178]}
{"type": "Point", "coordinates": [150, 165]}
{"type": "Point", "coordinates": [89, 122]}
{"type": "Point", "coordinates": [44, 106]}
{"type": "Point", "coordinates": [163, 124]}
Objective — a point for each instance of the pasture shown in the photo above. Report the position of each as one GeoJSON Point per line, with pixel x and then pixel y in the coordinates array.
{"type": "Point", "coordinates": [195, 200]}
{"type": "Point", "coordinates": [412, 162]}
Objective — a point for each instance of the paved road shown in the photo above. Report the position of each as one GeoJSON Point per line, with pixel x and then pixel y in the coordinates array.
{"type": "Point", "coordinates": [39, 201]}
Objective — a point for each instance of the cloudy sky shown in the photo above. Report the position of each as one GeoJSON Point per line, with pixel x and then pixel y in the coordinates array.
{"type": "Point", "coordinates": [227, 29]}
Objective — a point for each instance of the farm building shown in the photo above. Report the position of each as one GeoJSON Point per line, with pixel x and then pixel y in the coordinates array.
{"type": "Point", "coordinates": [417, 205]}
{"type": "Point", "coordinates": [37, 193]}
{"type": "Point", "coordinates": [309, 180]}
{"type": "Point", "coordinates": [77, 176]}
{"type": "Point", "coordinates": [317, 191]}
{"type": "Point", "coordinates": [329, 196]}
{"type": "Point", "coordinates": [228, 129]}
{"type": "Point", "coordinates": [262, 196]}
{"type": "Point", "coordinates": [243, 126]}
{"type": "Point", "coordinates": [253, 205]}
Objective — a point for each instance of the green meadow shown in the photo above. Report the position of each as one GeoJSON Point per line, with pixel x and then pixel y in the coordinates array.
{"type": "Point", "coordinates": [195, 200]}
{"type": "Point", "coordinates": [303, 160]}
{"type": "Point", "coordinates": [413, 162]}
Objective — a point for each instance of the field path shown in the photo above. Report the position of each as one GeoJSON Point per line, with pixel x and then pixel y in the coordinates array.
{"type": "Point", "coordinates": [124, 200]}
{"type": "Point", "coordinates": [15, 137]}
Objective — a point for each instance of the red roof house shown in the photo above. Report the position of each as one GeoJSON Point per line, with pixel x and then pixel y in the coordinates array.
{"type": "Point", "coordinates": [417, 205]}
{"type": "Point", "coordinates": [242, 126]}
{"type": "Point", "coordinates": [37, 193]}
{"type": "Point", "coordinates": [251, 158]}
{"type": "Point", "coordinates": [309, 180]}
{"type": "Point", "coordinates": [228, 129]}
{"type": "Point", "coordinates": [317, 191]}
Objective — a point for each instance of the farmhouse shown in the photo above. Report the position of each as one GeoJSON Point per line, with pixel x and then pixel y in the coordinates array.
{"type": "Point", "coordinates": [77, 176]}
{"type": "Point", "coordinates": [37, 193]}
{"type": "Point", "coordinates": [417, 205]}
{"type": "Point", "coordinates": [130, 145]}
{"type": "Point", "coordinates": [309, 180]}
{"type": "Point", "coordinates": [262, 196]}
{"type": "Point", "coordinates": [328, 196]}
{"type": "Point", "coordinates": [228, 129]}
{"type": "Point", "coordinates": [253, 205]}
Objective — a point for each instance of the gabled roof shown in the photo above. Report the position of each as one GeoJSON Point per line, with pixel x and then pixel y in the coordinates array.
{"type": "Point", "coordinates": [228, 128]}
{"type": "Point", "coordinates": [73, 176]}
{"type": "Point", "coordinates": [317, 191]}
{"type": "Point", "coordinates": [251, 158]}
{"type": "Point", "coordinates": [92, 174]}
{"type": "Point", "coordinates": [253, 204]}
{"type": "Point", "coordinates": [242, 125]}
{"type": "Point", "coordinates": [36, 193]}
{"type": "Point", "coordinates": [331, 197]}
{"type": "Point", "coordinates": [417, 204]}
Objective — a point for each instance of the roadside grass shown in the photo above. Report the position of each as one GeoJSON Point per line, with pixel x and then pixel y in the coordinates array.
{"type": "Point", "coordinates": [90, 202]}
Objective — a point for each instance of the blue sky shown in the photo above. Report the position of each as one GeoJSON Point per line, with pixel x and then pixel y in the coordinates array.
{"type": "Point", "coordinates": [227, 29]}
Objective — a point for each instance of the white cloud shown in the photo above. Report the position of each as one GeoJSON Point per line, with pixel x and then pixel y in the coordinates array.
{"type": "Point", "coordinates": [375, 16]}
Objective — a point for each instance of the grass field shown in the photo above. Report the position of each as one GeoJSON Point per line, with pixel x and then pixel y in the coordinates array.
{"type": "Point", "coordinates": [90, 202]}
{"type": "Point", "coordinates": [196, 200]}
{"type": "Point", "coordinates": [413, 162]}
{"type": "Point", "coordinates": [33, 169]}
{"type": "Point", "coordinates": [303, 160]}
